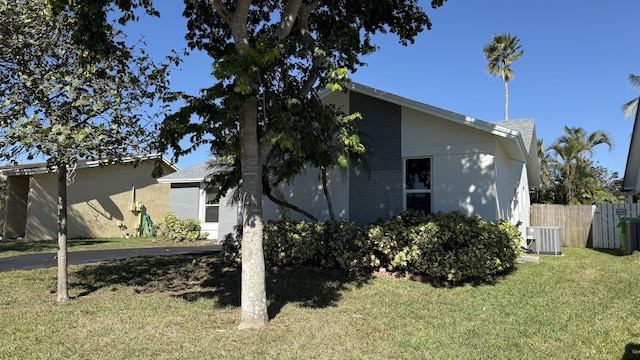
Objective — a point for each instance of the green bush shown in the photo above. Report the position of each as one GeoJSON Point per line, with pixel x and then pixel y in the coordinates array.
{"type": "Point", "coordinates": [331, 245]}
{"type": "Point", "coordinates": [446, 246]}
{"type": "Point", "coordinates": [449, 246]}
{"type": "Point", "coordinates": [175, 229]}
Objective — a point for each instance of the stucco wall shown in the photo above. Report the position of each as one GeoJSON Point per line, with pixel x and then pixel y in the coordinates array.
{"type": "Point", "coordinates": [471, 170]}
{"type": "Point", "coordinates": [15, 208]}
{"type": "Point", "coordinates": [464, 169]}
{"type": "Point", "coordinates": [98, 201]}
{"type": "Point", "coordinates": [229, 216]}
{"type": "Point", "coordinates": [306, 192]}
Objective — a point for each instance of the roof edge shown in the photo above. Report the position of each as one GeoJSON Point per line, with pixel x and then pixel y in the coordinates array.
{"type": "Point", "coordinates": [41, 168]}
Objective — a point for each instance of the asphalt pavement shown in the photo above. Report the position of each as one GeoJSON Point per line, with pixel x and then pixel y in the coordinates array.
{"type": "Point", "coordinates": [48, 260]}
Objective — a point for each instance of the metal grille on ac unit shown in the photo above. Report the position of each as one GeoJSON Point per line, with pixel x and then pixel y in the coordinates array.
{"type": "Point", "coordinates": [544, 240]}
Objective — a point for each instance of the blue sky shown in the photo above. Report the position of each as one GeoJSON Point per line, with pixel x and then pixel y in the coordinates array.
{"type": "Point", "coordinates": [574, 72]}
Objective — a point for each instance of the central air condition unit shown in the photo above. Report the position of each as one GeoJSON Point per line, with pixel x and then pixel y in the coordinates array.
{"type": "Point", "coordinates": [544, 240]}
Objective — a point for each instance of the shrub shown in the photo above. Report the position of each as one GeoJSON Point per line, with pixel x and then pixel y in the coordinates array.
{"type": "Point", "coordinates": [175, 229]}
{"type": "Point", "coordinates": [330, 245]}
{"type": "Point", "coordinates": [449, 246]}
{"type": "Point", "coordinates": [230, 253]}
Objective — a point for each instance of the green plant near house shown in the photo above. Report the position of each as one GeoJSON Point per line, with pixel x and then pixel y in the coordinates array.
{"type": "Point", "coordinates": [176, 229]}
{"type": "Point", "coordinates": [442, 246]}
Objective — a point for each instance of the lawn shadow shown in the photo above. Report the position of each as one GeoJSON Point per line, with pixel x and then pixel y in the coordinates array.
{"type": "Point", "coordinates": [194, 278]}
{"type": "Point", "coordinates": [612, 252]}
{"type": "Point", "coordinates": [307, 287]}
{"type": "Point", "coordinates": [631, 352]}
{"type": "Point", "coordinates": [145, 274]}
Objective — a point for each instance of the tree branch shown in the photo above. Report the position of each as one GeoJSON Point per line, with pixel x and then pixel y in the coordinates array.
{"type": "Point", "coordinates": [239, 23]}
{"type": "Point", "coordinates": [267, 192]}
{"type": "Point", "coordinates": [222, 10]}
{"type": "Point", "coordinates": [288, 18]}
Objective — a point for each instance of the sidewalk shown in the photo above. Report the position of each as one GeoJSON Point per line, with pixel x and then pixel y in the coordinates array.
{"type": "Point", "coordinates": [48, 260]}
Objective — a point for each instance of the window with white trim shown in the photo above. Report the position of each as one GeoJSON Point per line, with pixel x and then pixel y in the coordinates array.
{"type": "Point", "coordinates": [211, 205]}
{"type": "Point", "coordinates": [417, 187]}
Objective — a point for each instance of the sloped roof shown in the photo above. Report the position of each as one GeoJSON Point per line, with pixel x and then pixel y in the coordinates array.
{"type": "Point", "coordinates": [516, 148]}
{"type": "Point", "coordinates": [195, 173]}
{"type": "Point", "coordinates": [526, 128]}
{"type": "Point", "coordinates": [517, 136]}
{"type": "Point", "coordinates": [41, 167]}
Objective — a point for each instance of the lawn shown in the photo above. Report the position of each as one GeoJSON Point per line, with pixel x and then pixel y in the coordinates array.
{"type": "Point", "coordinates": [21, 247]}
{"type": "Point", "coordinates": [584, 305]}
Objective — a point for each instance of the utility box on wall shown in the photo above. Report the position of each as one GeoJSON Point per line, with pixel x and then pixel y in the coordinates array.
{"type": "Point", "coordinates": [544, 240]}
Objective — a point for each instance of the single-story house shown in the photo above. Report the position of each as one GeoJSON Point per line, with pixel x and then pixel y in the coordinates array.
{"type": "Point", "coordinates": [631, 179]}
{"type": "Point", "coordinates": [421, 157]}
{"type": "Point", "coordinates": [190, 197]}
{"type": "Point", "coordinates": [102, 201]}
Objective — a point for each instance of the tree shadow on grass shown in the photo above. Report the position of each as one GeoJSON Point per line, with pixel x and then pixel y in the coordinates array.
{"type": "Point", "coordinates": [631, 352]}
{"type": "Point", "coordinates": [192, 279]}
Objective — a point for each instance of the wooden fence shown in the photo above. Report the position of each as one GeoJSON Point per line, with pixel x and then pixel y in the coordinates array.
{"type": "Point", "coordinates": [593, 226]}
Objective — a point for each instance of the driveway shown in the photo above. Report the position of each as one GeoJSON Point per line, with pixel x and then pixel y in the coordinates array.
{"type": "Point", "coordinates": [47, 260]}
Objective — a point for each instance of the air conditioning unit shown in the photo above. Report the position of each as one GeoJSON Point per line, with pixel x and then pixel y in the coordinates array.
{"type": "Point", "coordinates": [544, 240]}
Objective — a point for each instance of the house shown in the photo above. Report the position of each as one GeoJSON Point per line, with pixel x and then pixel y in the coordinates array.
{"type": "Point", "coordinates": [631, 179]}
{"type": "Point", "coordinates": [190, 197]}
{"type": "Point", "coordinates": [421, 157]}
{"type": "Point", "coordinates": [102, 201]}
{"type": "Point", "coordinates": [427, 158]}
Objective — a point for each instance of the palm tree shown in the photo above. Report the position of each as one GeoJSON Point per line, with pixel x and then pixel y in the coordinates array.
{"type": "Point", "coordinates": [631, 107]}
{"type": "Point", "coordinates": [575, 149]}
{"type": "Point", "coordinates": [501, 52]}
{"type": "Point", "coordinates": [545, 193]}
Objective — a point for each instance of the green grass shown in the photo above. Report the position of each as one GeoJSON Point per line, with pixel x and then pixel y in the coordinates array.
{"type": "Point", "coordinates": [21, 247]}
{"type": "Point", "coordinates": [583, 305]}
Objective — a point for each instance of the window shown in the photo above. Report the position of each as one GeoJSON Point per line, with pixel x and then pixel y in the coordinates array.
{"type": "Point", "coordinates": [211, 205]}
{"type": "Point", "coordinates": [417, 186]}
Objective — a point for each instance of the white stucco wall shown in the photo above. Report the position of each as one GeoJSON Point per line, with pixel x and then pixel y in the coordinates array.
{"type": "Point", "coordinates": [463, 165]}
{"type": "Point", "coordinates": [306, 192]}
{"type": "Point", "coordinates": [471, 172]}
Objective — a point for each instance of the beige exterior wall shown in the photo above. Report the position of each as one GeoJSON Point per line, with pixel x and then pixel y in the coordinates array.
{"type": "Point", "coordinates": [99, 201]}
{"type": "Point", "coordinates": [15, 207]}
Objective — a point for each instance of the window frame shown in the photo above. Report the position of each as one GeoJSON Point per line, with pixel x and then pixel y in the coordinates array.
{"type": "Point", "coordinates": [204, 190]}
{"type": "Point", "coordinates": [406, 191]}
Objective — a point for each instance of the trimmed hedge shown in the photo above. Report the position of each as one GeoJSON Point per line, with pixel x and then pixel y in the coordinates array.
{"type": "Point", "coordinates": [448, 246]}
{"type": "Point", "coordinates": [443, 246]}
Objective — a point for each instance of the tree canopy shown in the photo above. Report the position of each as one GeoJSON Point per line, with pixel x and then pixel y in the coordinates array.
{"type": "Point", "coordinates": [630, 108]}
{"type": "Point", "coordinates": [569, 175]}
{"type": "Point", "coordinates": [270, 60]}
{"type": "Point", "coordinates": [500, 53]}
{"type": "Point", "coordinates": [58, 106]}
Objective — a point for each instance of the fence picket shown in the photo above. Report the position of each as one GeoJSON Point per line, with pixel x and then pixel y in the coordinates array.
{"type": "Point", "coordinates": [585, 225]}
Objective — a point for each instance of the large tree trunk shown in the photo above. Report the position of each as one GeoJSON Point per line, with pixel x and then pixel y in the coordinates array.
{"type": "Point", "coordinates": [327, 195]}
{"type": "Point", "coordinates": [63, 279]}
{"type": "Point", "coordinates": [253, 289]}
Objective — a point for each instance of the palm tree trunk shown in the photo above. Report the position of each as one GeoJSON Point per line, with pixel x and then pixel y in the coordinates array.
{"type": "Point", "coordinates": [326, 192]}
{"type": "Point", "coordinates": [63, 278]}
{"type": "Point", "coordinates": [506, 100]}
{"type": "Point", "coordinates": [253, 296]}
